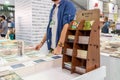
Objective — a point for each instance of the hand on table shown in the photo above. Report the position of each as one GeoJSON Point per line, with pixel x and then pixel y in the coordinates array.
{"type": "Point", "coordinates": [38, 46]}
{"type": "Point", "coordinates": [57, 50]}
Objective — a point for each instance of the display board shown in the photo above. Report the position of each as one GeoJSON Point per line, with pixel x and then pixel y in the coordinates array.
{"type": "Point", "coordinates": [32, 19]}
{"type": "Point", "coordinates": [111, 8]}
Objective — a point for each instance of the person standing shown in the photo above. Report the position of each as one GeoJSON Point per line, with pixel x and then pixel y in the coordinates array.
{"type": "Point", "coordinates": [4, 26]}
{"type": "Point", "coordinates": [10, 34]}
{"type": "Point", "coordinates": [62, 13]}
{"type": "Point", "coordinates": [106, 25]}
{"type": "Point", "coordinates": [0, 23]}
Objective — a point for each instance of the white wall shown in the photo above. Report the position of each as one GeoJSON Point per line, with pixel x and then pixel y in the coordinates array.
{"type": "Point", "coordinates": [83, 3]}
{"type": "Point", "coordinates": [31, 18]}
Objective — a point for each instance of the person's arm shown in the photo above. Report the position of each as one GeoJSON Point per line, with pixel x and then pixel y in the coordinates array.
{"type": "Point", "coordinates": [63, 34]}
{"type": "Point", "coordinates": [68, 16]}
{"type": "Point", "coordinates": [58, 49]}
{"type": "Point", "coordinates": [41, 43]}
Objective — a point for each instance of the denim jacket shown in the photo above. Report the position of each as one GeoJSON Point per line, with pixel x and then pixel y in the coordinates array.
{"type": "Point", "coordinates": [66, 13]}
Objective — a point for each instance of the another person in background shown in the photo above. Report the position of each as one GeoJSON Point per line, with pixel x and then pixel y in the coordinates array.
{"type": "Point", "coordinates": [105, 28]}
{"type": "Point", "coordinates": [12, 23]}
{"type": "Point", "coordinates": [10, 34]}
{"type": "Point", "coordinates": [62, 13]}
{"type": "Point", "coordinates": [12, 27]}
{"type": "Point", "coordinates": [4, 26]}
{"type": "Point", "coordinates": [0, 23]}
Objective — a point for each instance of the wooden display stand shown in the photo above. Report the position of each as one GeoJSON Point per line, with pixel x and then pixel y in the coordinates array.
{"type": "Point", "coordinates": [82, 54]}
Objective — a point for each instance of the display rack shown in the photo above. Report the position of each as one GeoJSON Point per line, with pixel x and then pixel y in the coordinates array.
{"type": "Point", "coordinates": [81, 53]}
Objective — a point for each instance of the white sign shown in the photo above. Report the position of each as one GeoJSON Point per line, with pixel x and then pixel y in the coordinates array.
{"type": "Point", "coordinates": [111, 8]}
{"type": "Point", "coordinates": [93, 4]}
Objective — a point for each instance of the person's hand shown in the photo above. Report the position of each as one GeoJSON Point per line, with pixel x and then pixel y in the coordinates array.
{"type": "Point", "coordinates": [57, 50]}
{"type": "Point", "coordinates": [38, 46]}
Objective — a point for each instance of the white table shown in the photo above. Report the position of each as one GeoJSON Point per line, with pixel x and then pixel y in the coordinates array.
{"type": "Point", "coordinates": [112, 65]}
{"type": "Point", "coordinates": [98, 74]}
{"type": "Point", "coordinates": [52, 74]}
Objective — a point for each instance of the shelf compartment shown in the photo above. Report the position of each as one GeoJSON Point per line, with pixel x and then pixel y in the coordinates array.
{"type": "Point", "coordinates": [82, 54]}
{"type": "Point", "coordinates": [82, 46]}
{"type": "Point", "coordinates": [68, 65]}
{"type": "Point", "coordinates": [80, 70]}
{"type": "Point", "coordinates": [80, 62]}
{"type": "Point", "coordinates": [66, 61]}
{"type": "Point", "coordinates": [71, 32]}
{"type": "Point", "coordinates": [69, 52]}
{"type": "Point", "coordinates": [71, 38]}
{"type": "Point", "coordinates": [67, 58]}
{"type": "Point", "coordinates": [83, 39]}
{"type": "Point", "coordinates": [69, 45]}
{"type": "Point", "coordinates": [70, 41]}
{"type": "Point", "coordinates": [85, 32]}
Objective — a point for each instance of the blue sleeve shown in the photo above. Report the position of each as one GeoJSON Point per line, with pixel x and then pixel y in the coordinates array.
{"type": "Point", "coordinates": [69, 12]}
{"type": "Point", "coordinates": [107, 24]}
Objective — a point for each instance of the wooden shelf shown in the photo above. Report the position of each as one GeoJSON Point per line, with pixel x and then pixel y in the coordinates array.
{"type": "Point", "coordinates": [84, 30]}
{"type": "Point", "coordinates": [69, 52]}
{"type": "Point", "coordinates": [68, 65]}
{"type": "Point", "coordinates": [85, 45]}
{"type": "Point", "coordinates": [82, 54]}
{"type": "Point", "coordinates": [68, 55]}
{"type": "Point", "coordinates": [70, 41]}
{"type": "Point", "coordinates": [71, 32]}
{"type": "Point", "coordinates": [67, 59]}
{"type": "Point", "coordinates": [67, 68]}
{"type": "Point", "coordinates": [69, 45]}
{"type": "Point", "coordinates": [82, 46]}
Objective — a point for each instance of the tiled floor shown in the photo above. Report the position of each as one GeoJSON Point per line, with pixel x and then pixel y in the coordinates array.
{"type": "Point", "coordinates": [52, 74]}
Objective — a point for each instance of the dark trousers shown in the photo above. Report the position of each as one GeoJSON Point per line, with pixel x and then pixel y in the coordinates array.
{"type": "Point", "coordinates": [3, 35]}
